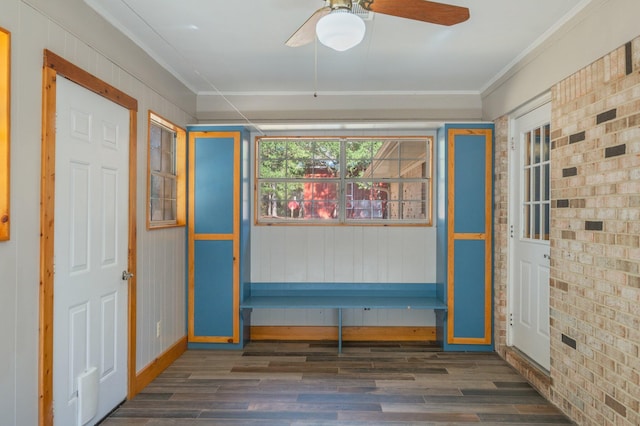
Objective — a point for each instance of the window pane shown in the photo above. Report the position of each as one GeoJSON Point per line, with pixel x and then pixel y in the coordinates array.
{"type": "Point", "coordinates": [537, 213]}
{"type": "Point", "coordinates": [271, 167]}
{"type": "Point", "coordinates": [156, 207]}
{"type": "Point", "coordinates": [321, 200]}
{"type": "Point", "coordinates": [546, 143]}
{"type": "Point", "coordinates": [388, 150]}
{"type": "Point", "coordinates": [526, 193]}
{"type": "Point", "coordinates": [527, 149]}
{"type": "Point", "coordinates": [526, 227]}
{"type": "Point", "coordinates": [537, 146]}
{"type": "Point", "coordinates": [547, 218]}
{"type": "Point", "coordinates": [536, 183]}
{"type": "Point", "coordinates": [169, 184]}
{"type": "Point", "coordinates": [269, 199]}
{"type": "Point", "coordinates": [168, 163]}
{"type": "Point", "coordinates": [157, 186]}
{"type": "Point", "coordinates": [366, 209]}
{"type": "Point", "coordinates": [545, 183]}
{"type": "Point", "coordinates": [155, 135]}
{"type": "Point", "coordinates": [168, 210]}
{"type": "Point", "coordinates": [319, 170]}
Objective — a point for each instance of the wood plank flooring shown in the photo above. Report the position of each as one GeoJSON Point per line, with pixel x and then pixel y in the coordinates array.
{"type": "Point", "coordinates": [304, 384]}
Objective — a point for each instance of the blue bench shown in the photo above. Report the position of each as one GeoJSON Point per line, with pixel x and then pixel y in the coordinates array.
{"type": "Point", "coordinates": [261, 295]}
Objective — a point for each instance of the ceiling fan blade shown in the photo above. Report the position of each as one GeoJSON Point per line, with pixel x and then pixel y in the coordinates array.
{"type": "Point", "coordinates": [420, 10]}
{"type": "Point", "coordinates": [307, 31]}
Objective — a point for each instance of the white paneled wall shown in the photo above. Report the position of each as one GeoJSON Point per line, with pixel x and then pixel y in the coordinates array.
{"type": "Point", "coordinates": [343, 254]}
{"type": "Point", "coordinates": [161, 254]}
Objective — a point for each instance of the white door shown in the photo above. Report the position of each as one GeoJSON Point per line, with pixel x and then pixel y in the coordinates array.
{"type": "Point", "coordinates": [90, 251]}
{"type": "Point", "coordinates": [530, 210]}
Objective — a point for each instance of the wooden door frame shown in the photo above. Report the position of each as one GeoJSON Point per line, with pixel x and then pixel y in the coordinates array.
{"type": "Point", "coordinates": [53, 66]}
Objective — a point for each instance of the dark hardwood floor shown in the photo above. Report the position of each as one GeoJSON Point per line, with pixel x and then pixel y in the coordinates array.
{"type": "Point", "coordinates": [311, 384]}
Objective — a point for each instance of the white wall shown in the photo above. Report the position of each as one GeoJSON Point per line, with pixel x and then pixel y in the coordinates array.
{"type": "Point", "coordinates": [373, 254]}
{"type": "Point", "coordinates": [602, 26]}
{"type": "Point", "coordinates": [161, 264]}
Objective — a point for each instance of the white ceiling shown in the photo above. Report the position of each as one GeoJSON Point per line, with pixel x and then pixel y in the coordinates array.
{"type": "Point", "coordinates": [232, 51]}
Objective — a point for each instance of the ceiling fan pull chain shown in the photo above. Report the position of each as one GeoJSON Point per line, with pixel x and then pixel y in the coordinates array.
{"type": "Point", "coordinates": [315, 68]}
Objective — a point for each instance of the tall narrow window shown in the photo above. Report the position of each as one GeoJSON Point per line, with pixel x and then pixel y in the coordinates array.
{"type": "Point", "coordinates": [167, 174]}
{"type": "Point", "coordinates": [5, 89]}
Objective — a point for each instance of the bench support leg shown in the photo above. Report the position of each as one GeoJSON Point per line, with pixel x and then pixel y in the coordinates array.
{"type": "Point", "coordinates": [339, 330]}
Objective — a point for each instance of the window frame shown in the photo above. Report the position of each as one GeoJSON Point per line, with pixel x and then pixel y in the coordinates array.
{"type": "Point", "coordinates": [425, 163]}
{"type": "Point", "coordinates": [180, 158]}
{"type": "Point", "coordinates": [5, 133]}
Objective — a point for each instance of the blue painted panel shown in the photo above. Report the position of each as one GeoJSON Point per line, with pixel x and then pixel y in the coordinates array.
{"type": "Point", "coordinates": [470, 167]}
{"type": "Point", "coordinates": [213, 289]}
{"type": "Point", "coordinates": [338, 289]}
{"type": "Point", "coordinates": [469, 289]}
{"type": "Point", "coordinates": [214, 186]}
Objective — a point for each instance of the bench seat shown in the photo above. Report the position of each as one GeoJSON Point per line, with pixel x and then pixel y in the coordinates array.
{"type": "Point", "coordinates": [328, 302]}
{"type": "Point", "coordinates": [341, 296]}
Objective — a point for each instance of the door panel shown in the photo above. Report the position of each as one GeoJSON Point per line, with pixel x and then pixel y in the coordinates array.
{"type": "Point", "coordinates": [91, 251]}
{"type": "Point", "coordinates": [530, 211]}
{"type": "Point", "coordinates": [468, 239]}
{"type": "Point", "coordinates": [214, 237]}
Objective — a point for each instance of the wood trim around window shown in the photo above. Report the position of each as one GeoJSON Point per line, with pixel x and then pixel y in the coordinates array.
{"type": "Point", "coordinates": [5, 133]}
{"type": "Point", "coordinates": [181, 172]}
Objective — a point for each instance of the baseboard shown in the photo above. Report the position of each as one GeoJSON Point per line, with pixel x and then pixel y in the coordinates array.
{"type": "Point", "coordinates": [353, 334]}
{"type": "Point", "coordinates": [158, 365]}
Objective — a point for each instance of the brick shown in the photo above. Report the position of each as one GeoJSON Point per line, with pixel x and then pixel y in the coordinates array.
{"type": "Point", "coordinates": [614, 151]}
{"type": "Point", "coordinates": [569, 341]}
{"type": "Point", "coordinates": [577, 137]}
{"type": "Point", "coordinates": [628, 58]}
{"type": "Point", "coordinates": [593, 225]}
{"type": "Point", "coordinates": [606, 116]}
{"type": "Point", "coordinates": [616, 126]}
{"type": "Point", "coordinates": [615, 405]}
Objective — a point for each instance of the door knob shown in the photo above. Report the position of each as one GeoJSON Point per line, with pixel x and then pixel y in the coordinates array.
{"type": "Point", "coordinates": [126, 275]}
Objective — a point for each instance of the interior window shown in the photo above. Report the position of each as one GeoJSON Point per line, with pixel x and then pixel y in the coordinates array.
{"type": "Point", "coordinates": [166, 179]}
{"type": "Point", "coordinates": [343, 180]}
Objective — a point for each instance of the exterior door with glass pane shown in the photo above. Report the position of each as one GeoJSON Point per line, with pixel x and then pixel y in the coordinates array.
{"type": "Point", "coordinates": [530, 215]}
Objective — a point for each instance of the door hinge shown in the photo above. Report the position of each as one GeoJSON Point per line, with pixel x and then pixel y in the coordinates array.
{"type": "Point", "coordinates": [511, 231]}
{"type": "Point", "coordinates": [510, 319]}
{"type": "Point", "coordinates": [513, 143]}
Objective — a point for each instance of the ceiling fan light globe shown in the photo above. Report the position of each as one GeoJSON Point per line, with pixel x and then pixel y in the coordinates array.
{"type": "Point", "coordinates": [340, 30]}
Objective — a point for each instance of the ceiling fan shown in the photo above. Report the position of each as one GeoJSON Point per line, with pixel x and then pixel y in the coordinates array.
{"type": "Point", "coordinates": [336, 20]}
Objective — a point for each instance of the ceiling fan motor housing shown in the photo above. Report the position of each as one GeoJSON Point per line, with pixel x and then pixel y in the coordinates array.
{"type": "Point", "coordinates": [340, 4]}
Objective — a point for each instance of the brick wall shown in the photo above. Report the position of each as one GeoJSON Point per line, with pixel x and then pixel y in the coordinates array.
{"type": "Point", "coordinates": [595, 230]}
{"type": "Point", "coordinates": [595, 239]}
{"type": "Point", "coordinates": [501, 231]}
